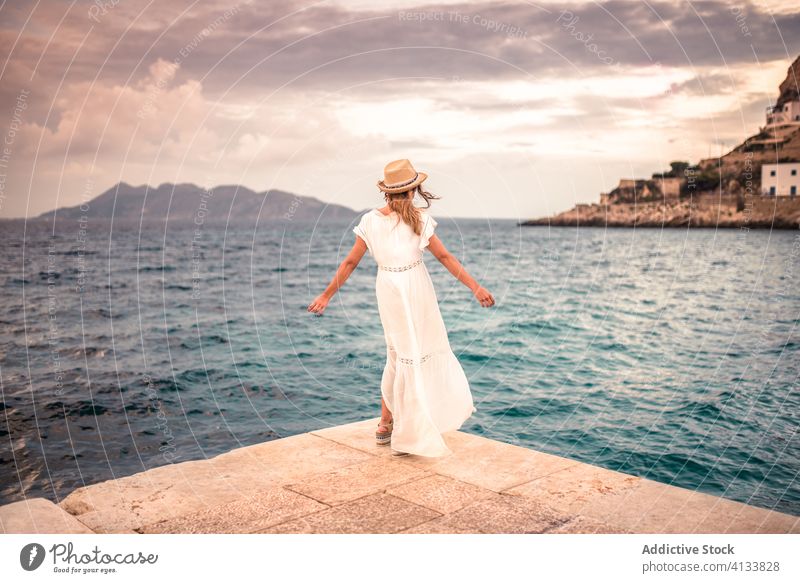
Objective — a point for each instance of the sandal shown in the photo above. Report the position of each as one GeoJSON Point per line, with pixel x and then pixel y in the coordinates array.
{"type": "Point", "coordinates": [384, 437]}
{"type": "Point", "coordinates": [395, 452]}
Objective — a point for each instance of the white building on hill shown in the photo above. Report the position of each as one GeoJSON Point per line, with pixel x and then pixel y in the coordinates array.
{"type": "Point", "coordinates": [786, 114]}
{"type": "Point", "coordinates": [780, 179]}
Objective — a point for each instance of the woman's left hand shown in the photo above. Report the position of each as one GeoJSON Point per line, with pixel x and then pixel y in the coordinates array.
{"type": "Point", "coordinates": [484, 297]}
{"type": "Point", "coordinates": [319, 304]}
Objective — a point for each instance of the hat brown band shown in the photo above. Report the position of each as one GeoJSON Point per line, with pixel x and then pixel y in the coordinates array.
{"type": "Point", "coordinates": [399, 184]}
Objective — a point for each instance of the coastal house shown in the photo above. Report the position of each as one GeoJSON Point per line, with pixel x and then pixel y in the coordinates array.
{"type": "Point", "coordinates": [670, 186]}
{"type": "Point", "coordinates": [629, 190]}
{"type": "Point", "coordinates": [783, 114]}
{"type": "Point", "coordinates": [783, 120]}
{"type": "Point", "coordinates": [781, 179]}
{"type": "Point", "coordinates": [658, 188]}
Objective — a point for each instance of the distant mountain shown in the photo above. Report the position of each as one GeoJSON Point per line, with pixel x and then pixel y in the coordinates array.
{"type": "Point", "coordinates": [189, 203]}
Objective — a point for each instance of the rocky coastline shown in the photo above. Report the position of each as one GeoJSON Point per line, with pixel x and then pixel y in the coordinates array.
{"type": "Point", "coordinates": [722, 192]}
{"type": "Point", "coordinates": [707, 211]}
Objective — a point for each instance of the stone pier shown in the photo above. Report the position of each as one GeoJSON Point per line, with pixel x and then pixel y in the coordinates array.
{"type": "Point", "coordinates": [337, 480]}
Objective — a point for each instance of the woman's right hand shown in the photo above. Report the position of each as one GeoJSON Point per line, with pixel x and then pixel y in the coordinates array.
{"type": "Point", "coordinates": [484, 297]}
{"type": "Point", "coordinates": [319, 304]}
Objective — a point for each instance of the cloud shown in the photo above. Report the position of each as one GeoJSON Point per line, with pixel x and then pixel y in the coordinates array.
{"type": "Point", "coordinates": [265, 44]}
{"type": "Point", "coordinates": [259, 92]}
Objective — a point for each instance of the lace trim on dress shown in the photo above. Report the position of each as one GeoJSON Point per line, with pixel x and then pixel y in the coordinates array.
{"type": "Point", "coordinates": [402, 360]}
{"type": "Point", "coordinates": [403, 268]}
{"type": "Point", "coordinates": [411, 361]}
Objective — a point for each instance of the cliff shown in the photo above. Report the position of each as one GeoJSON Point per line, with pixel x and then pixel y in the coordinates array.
{"type": "Point", "coordinates": [722, 192]}
{"type": "Point", "coordinates": [790, 88]}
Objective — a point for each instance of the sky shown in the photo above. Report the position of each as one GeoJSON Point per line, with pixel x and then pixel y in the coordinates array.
{"type": "Point", "coordinates": [513, 109]}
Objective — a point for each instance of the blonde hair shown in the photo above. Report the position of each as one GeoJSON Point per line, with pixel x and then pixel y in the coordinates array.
{"type": "Point", "coordinates": [402, 204]}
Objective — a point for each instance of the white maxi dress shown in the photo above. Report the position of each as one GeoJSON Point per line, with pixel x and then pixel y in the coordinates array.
{"type": "Point", "coordinates": [423, 384]}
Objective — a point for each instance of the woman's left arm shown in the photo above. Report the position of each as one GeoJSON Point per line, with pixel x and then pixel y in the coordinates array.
{"type": "Point", "coordinates": [454, 266]}
{"type": "Point", "coordinates": [345, 269]}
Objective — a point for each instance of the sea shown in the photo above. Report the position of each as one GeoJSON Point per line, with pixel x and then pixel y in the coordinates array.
{"type": "Point", "coordinates": [670, 354]}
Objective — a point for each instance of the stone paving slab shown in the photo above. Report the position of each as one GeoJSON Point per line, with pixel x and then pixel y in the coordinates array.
{"type": "Point", "coordinates": [577, 487]}
{"type": "Point", "coordinates": [288, 458]}
{"type": "Point", "coordinates": [356, 480]}
{"type": "Point", "coordinates": [500, 514]}
{"type": "Point", "coordinates": [435, 527]}
{"type": "Point", "coordinates": [38, 516]}
{"type": "Point", "coordinates": [585, 525]}
{"type": "Point", "coordinates": [379, 513]}
{"type": "Point", "coordinates": [492, 465]}
{"type": "Point", "coordinates": [642, 505]}
{"type": "Point", "coordinates": [337, 480]}
{"type": "Point", "coordinates": [440, 493]}
{"type": "Point", "coordinates": [476, 460]}
{"type": "Point", "coordinates": [653, 507]}
{"type": "Point", "coordinates": [174, 490]}
{"type": "Point", "coordinates": [257, 512]}
{"type": "Point", "coordinates": [741, 518]}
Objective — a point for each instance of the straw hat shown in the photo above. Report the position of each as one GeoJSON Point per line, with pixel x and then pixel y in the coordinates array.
{"type": "Point", "coordinates": [400, 176]}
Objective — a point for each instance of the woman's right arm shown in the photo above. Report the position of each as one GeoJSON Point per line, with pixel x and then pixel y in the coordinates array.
{"type": "Point", "coordinates": [342, 273]}
{"type": "Point", "coordinates": [454, 266]}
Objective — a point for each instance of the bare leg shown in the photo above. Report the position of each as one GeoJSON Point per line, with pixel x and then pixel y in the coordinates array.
{"type": "Point", "coordinates": [386, 415]}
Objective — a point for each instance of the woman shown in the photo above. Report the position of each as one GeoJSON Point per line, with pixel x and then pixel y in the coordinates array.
{"type": "Point", "coordinates": [424, 389]}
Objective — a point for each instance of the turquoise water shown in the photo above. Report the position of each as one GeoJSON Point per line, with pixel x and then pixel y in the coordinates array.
{"type": "Point", "coordinates": [669, 354]}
